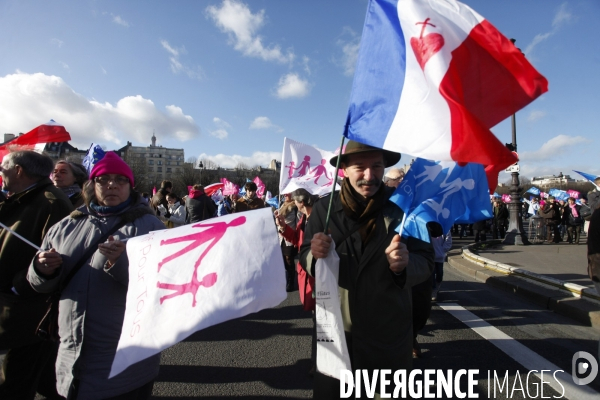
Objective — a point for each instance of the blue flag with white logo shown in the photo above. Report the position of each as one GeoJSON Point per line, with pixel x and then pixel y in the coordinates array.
{"type": "Point", "coordinates": [94, 154]}
{"type": "Point", "coordinates": [533, 190]}
{"type": "Point", "coordinates": [442, 192]}
{"type": "Point", "coordinates": [559, 194]}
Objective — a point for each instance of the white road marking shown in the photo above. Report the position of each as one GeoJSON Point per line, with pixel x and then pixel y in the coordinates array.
{"type": "Point", "coordinates": [521, 354]}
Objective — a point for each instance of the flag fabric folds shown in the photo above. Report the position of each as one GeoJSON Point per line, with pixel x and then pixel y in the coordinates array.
{"type": "Point", "coordinates": [94, 154]}
{"type": "Point", "coordinates": [185, 279]}
{"type": "Point", "coordinates": [442, 192]}
{"type": "Point", "coordinates": [45, 133]}
{"type": "Point", "coordinates": [432, 78]}
{"type": "Point", "coordinates": [305, 167]}
{"type": "Point", "coordinates": [229, 187]}
{"type": "Point", "coordinates": [260, 186]}
{"type": "Point", "coordinates": [589, 177]}
{"type": "Point", "coordinates": [533, 190]}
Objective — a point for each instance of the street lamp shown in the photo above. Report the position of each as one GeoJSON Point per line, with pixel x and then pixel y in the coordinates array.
{"type": "Point", "coordinates": [201, 167]}
{"type": "Point", "coordinates": [515, 234]}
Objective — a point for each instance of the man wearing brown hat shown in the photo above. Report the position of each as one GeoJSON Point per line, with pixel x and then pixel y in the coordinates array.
{"type": "Point", "coordinates": [377, 270]}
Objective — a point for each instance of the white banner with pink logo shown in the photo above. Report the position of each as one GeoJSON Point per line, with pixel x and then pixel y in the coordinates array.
{"type": "Point", "coordinates": [305, 167]}
{"type": "Point", "coordinates": [186, 279]}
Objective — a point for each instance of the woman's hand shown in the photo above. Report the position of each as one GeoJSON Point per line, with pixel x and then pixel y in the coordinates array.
{"type": "Point", "coordinates": [112, 249]}
{"type": "Point", "coordinates": [46, 262]}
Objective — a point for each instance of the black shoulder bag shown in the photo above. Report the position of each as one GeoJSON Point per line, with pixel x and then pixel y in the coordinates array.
{"type": "Point", "coordinates": [47, 329]}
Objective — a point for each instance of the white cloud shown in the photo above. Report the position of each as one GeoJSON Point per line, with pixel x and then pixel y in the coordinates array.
{"type": "Point", "coordinates": [561, 17]}
{"type": "Point", "coordinates": [535, 115]}
{"type": "Point", "coordinates": [176, 65]}
{"type": "Point", "coordinates": [554, 147]}
{"type": "Point", "coordinates": [28, 100]}
{"type": "Point", "coordinates": [222, 128]}
{"type": "Point", "coordinates": [235, 18]}
{"type": "Point", "coordinates": [349, 43]}
{"type": "Point", "coordinates": [57, 42]}
{"type": "Point", "coordinates": [231, 161]}
{"type": "Point", "coordinates": [291, 85]}
{"type": "Point", "coordinates": [264, 123]}
{"type": "Point", "coordinates": [120, 21]}
{"type": "Point", "coordinates": [65, 65]}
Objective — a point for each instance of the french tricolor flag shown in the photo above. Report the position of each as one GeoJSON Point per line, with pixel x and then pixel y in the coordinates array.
{"type": "Point", "coordinates": [432, 78]}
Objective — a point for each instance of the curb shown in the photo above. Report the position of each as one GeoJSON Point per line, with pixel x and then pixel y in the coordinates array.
{"type": "Point", "coordinates": [568, 299]}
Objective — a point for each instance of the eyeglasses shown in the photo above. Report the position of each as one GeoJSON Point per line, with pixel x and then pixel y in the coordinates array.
{"type": "Point", "coordinates": [103, 180]}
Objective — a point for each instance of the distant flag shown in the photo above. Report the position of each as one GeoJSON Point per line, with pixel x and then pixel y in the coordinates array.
{"type": "Point", "coordinates": [587, 176]}
{"type": "Point", "coordinates": [153, 190]}
{"type": "Point", "coordinates": [432, 77]}
{"type": "Point", "coordinates": [229, 187]}
{"type": "Point", "coordinates": [558, 194]}
{"type": "Point", "coordinates": [46, 133]}
{"type": "Point", "coordinates": [243, 188]}
{"type": "Point", "coordinates": [217, 196]}
{"type": "Point", "coordinates": [506, 198]}
{"type": "Point", "coordinates": [94, 154]}
{"type": "Point", "coordinates": [305, 167]}
{"type": "Point", "coordinates": [496, 195]}
{"type": "Point", "coordinates": [260, 187]}
{"type": "Point", "coordinates": [443, 192]}
{"type": "Point", "coordinates": [533, 190]}
{"type": "Point", "coordinates": [573, 193]}
{"type": "Point", "coordinates": [212, 188]}
{"type": "Point", "coordinates": [543, 195]}
{"type": "Point", "coordinates": [273, 202]}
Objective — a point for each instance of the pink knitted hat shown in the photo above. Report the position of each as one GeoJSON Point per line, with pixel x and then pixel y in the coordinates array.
{"type": "Point", "coordinates": [111, 163]}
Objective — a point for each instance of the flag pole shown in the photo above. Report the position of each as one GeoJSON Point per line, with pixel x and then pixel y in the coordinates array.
{"type": "Point", "coordinates": [20, 237]}
{"type": "Point", "coordinates": [335, 177]}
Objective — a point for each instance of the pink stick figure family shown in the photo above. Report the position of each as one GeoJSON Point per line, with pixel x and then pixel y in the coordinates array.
{"type": "Point", "coordinates": [303, 170]}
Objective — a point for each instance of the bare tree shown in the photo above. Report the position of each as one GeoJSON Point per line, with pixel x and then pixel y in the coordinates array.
{"type": "Point", "coordinates": [139, 167]}
{"type": "Point", "coordinates": [209, 164]}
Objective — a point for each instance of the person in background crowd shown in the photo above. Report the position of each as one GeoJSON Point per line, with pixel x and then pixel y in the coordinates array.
{"type": "Point", "coordinates": [587, 216]}
{"type": "Point", "coordinates": [34, 205]}
{"type": "Point", "coordinates": [562, 227]}
{"type": "Point", "coordinates": [551, 214]}
{"type": "Point", "coordinates": [441, 245]}
{"type": "Point", "coordinates": [304, 203]}
{"type": "Point", "coordinates": [250, 201]}
{"type": "Point", "coordinates": [199, 206]}
{"type": "Point", "coordinates": [593, 196]}
{"type": "Point", "coordinates": [480, 228]}
{"type": "Point", "coordinates": [146, 197]}
{"type": "Point", "coordinates": [92, 305]}
{"type": "Point", "coordinates": [534, 207]}
{"type": "Point", "coordinates": [70, 177]}
{"type": "Point", "coordinates": [500, 220]}
{"type": "Point", "coordinates": [593, 253]}
{"type": "Point", "coordinates": [289, 212]}
{"type": "Point", "coordinates": [224, 206]}
{"type": "Point", "coordinates": [393, 177]}
{"type": "Point", "coordinates": [175, 215]}
{"type": "Point", "coordinates": [160, 198]}
{"type": "Point", "coordinates": [571, 218]}
{"type": "Point", "coordinates": [377, 270]}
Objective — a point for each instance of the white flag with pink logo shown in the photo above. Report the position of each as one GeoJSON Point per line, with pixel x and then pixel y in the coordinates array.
{"type": "Point", "coordinates": [306, 167]}
{"type": "Point", "coordinates": [186, 279]}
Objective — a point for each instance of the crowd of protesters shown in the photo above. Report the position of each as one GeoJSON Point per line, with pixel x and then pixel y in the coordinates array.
{"type": "Point", "coordinates": [80, 222]}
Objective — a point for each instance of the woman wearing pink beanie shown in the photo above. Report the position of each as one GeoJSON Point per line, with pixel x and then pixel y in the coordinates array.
{"type": "Point", "coordinates": [92, 303]}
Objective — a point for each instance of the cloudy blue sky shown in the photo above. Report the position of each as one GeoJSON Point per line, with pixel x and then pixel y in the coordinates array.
{"type": "Point", "coordinates": [227, 80]}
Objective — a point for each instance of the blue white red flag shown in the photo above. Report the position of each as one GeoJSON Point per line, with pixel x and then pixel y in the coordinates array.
{"type": "Point", "coordinates": [533, 190]}
{"type": "Point", "coordinates": [94, 154]}
{"type": "Point", "coordinates": [442, 192]}
{"type": "Point", "coordinates": [432, 78]}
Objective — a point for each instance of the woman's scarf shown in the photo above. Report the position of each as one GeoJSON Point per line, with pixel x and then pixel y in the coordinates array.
{"type": "Point", "coordinates": [363, 211]}
{"type": "Point", "coordinates": [71, 190]}
{"type": "Point", "coordinates": [574, 212]}
{"type": "Point", "coordinates": [104, 211]}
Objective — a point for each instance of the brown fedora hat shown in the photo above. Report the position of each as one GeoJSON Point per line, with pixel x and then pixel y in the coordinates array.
{"type": "Point", "coordinates": [390, 158]}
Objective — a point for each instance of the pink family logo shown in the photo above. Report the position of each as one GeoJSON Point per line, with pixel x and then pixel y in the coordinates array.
{"type": "Point", "coordinates": [303, 171]}
{"type": "Point", "coordinates": [213, 234]}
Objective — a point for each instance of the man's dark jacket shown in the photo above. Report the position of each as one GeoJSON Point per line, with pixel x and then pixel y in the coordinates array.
{"type": "Point", "coordinates": [29, 213]}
